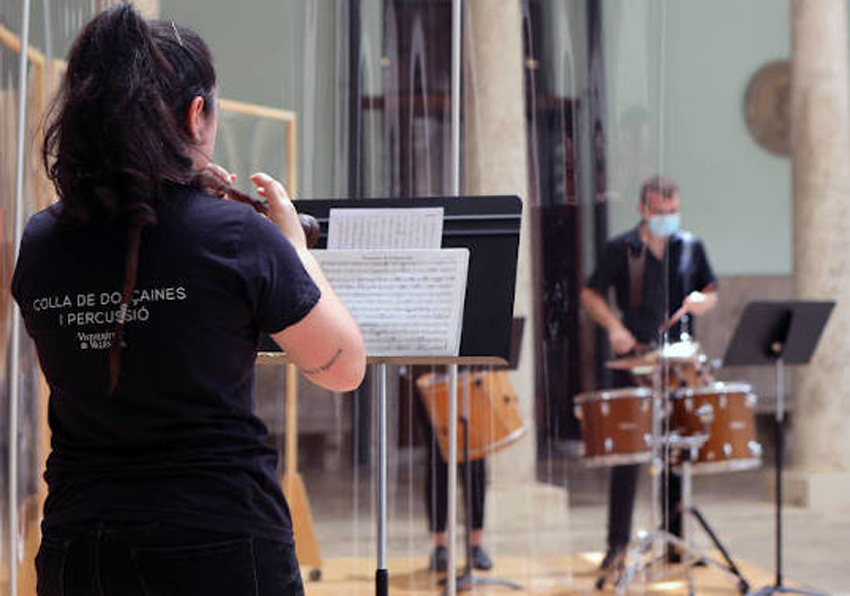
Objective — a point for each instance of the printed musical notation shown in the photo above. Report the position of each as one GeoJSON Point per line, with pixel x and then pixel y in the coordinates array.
{"type": "Point", "coordinates": [407, 302]}
{"type": "Point", "coordinates": [381, 229]}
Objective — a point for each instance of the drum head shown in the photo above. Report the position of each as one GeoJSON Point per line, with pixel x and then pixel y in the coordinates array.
{"type": "Point", "coordinates": [605, 394]}
{"type": "Point", "coordinates": [715, 388]}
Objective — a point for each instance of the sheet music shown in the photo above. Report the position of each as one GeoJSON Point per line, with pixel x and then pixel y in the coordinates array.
{"type": "Point", "coordinates": [406, 302]}
{"type": "Point", "coordinates": [414, 228]}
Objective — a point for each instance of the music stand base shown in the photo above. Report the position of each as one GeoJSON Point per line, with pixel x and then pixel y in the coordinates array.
{"type": "Point", "coordinates": [467, 581]}
{"type": "Point", "coordinates": [767, 590]}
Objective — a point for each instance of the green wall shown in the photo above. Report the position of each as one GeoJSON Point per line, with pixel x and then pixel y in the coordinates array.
{"type": "Point", "coordinates": [286, 54]}
{"type": "Point", "coordinates": [682, 69]}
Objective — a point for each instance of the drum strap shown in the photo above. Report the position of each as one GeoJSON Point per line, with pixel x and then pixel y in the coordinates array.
{"type": "Point", "coordinates": [637, 265]}
{"type": "Point", "coordinates": [685, 266]}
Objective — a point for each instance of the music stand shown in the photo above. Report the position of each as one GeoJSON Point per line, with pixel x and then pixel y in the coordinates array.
{"type": "Point", "coordinates": [775, 333]}
{"type": "Point", "coordinates": [489, 227]}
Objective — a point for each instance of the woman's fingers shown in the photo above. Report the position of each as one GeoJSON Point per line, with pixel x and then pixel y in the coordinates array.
{"type": "Point", "coordinates": [268, 185]}
{"type": "Point", "coordinates": [281, 210]}
{"type": "Point", "coordinates": [220, 173]}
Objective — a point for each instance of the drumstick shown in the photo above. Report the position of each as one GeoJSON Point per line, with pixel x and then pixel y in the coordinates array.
{"type": "Point", "coordinates": [683, 310]}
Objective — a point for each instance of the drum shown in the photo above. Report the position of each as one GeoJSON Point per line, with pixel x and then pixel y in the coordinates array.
{"type": "Point", "coordinates": [494, 417]}
{"type": "Point", "coordinates": [731, 441]}
{"type": "Point", "coordinates": [616, 425]}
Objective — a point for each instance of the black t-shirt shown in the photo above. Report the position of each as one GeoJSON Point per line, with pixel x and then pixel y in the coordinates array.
{"type": "Point", "coordinates": [178, 440]}
{"type": "Point", "coordinates": [666, 282]}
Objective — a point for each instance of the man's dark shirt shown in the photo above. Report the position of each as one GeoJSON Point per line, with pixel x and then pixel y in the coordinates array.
{"type": "Point", "coordinates": [683, 269]}
{"type": "Point", "coordinates": [178, 440]}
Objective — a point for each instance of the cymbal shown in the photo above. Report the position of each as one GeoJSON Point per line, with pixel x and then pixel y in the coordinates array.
{"type": "Point", "coordinates": [682, 351]}
{"type": "Point", "coordinates": [649, 359]}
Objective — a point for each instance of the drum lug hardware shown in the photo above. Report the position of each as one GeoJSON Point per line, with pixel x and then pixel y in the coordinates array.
{"type": "Point", "coordinates": [722, 402]}
{"type": "Point", "coordinates": [755, 448]}
{"type": "Point", "coordinates": [751, 400]}
{"type": "Point", "coordinates": [727, 450]}
{"type": "Point", "coordinates": [605, 408]}
{"type": "Point", "coordinates": [609, 445]}
{"type": "Point", "coordinates": [689, 404]}
{"type": "Point", "coordinates": [577, 412]}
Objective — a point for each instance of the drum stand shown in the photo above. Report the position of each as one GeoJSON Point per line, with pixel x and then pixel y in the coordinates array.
{"type": "Point", "coordinates": [467, 580]}
{"type": "Point", "coordinates": [644, 548]}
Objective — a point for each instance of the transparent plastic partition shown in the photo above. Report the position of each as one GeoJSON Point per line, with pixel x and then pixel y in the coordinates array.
{"type": "Point", "coordinates": [51, 28]}
{"type": "Point", "coordinates": [571, 105]}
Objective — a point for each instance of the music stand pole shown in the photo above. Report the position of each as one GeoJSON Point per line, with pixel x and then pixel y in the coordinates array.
{"type": "Point", "coordinates": [779, 440]}
{"type": "Point", "coordinates": [382, 575]}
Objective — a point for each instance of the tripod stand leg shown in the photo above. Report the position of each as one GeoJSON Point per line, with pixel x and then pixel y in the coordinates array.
{"type": "Point", "coordinates": [743, 584]}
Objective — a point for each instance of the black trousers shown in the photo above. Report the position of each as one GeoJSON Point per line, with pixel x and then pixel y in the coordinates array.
{"type": "Point", "coordinates": [107, 558]}
{"type": "Point", "coordinates": [437, 489]}
{"type": "Point", "coordinates": [437, 480]}
{"type": "Point", "coordinates": [621, 503]}
{"type": "Point", "coordinates": [623, 491]}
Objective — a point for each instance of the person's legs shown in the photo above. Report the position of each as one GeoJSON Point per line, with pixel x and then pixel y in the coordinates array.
{"type": "Point", "coordinates": [671, 510]}
{"type": "Point", "coordinates": [436, 488]}
{"type": "Point", "coordinates": [436, 503]}
{"type": "Point", "coordinates": [478, 472]}
{"type": "Point", "coordinates": [621, 504]}
{"type": "Point", "coordinates": [478, 494]}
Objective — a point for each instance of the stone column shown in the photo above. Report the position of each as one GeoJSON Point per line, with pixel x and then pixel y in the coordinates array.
{"type": "Point", "coordinates": [820, 140]}
{"type": "Point", "coordinates": [495, 157]}
{"type": "Point", "coordinates": [149, 8]}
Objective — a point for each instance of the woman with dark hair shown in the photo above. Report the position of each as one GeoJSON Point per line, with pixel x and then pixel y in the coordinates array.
{"type": "Point", "coordinates": [146, 298]}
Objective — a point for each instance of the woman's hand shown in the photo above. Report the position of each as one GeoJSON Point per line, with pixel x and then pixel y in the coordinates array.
{"type": "Point", "coordinates": [281, 210]}
{"type": "Point", "coordinates": [220, 173]}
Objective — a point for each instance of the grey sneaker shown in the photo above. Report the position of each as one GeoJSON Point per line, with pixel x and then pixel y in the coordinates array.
{"type": "Point", "coordinates": [439, 559]}
{"type": "Point", "coordinates": [480, 558]}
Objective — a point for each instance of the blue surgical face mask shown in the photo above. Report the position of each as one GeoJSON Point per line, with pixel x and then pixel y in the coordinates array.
{"type": "Point", "coordinates": [664, 225]}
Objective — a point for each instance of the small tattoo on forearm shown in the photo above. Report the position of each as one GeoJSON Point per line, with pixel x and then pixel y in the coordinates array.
{"type": "Point", "coordinates": [323, 367]}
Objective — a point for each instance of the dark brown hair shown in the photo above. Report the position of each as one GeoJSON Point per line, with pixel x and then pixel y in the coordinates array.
{"type": "Point", "coordinates": [660, 184]}
{"type": "Point", "coordinates": [116, 130]}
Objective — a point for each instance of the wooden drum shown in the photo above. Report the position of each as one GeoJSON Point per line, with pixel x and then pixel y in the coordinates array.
{"type": "Point", "coordinates": [494, 416]}
{"type": "Point", "coordinates": [616, 426]}
{"type": "Point", "coordinates": [731, 443]}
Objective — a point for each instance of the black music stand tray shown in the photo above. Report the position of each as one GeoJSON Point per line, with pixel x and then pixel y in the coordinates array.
{"type": "Point", "coordinates": [774, 333]}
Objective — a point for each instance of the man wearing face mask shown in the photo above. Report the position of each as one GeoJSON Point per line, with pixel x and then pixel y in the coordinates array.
{"type": "Point", "coordinates": [655, 269]}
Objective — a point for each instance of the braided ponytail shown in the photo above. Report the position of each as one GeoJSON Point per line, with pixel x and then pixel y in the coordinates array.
{"type": "Point", "coordinates": [116, 130]}
{"type": "Point", "coordinates": [141, 215]}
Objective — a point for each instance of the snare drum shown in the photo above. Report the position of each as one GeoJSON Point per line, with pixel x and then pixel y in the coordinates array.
{"type": "Point", "coordinates": [731, 443]}
{"type": "Point", "coordinates": [494, 417]}
{"type": "Point", "coordinates": [616, 426]}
